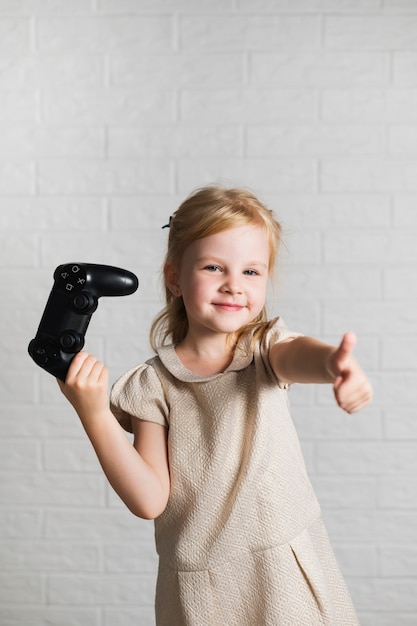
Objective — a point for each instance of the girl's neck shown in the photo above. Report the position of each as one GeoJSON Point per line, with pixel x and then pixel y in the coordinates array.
{"type": "Point", "coordinates": [205, 358]}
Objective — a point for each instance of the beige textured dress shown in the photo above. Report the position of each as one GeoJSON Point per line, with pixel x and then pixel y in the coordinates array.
{"type": "Point", "coordinates": [241, 542]}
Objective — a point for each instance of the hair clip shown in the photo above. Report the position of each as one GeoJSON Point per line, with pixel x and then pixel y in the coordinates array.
{"type": "Point", "coordinates": [169, 223]}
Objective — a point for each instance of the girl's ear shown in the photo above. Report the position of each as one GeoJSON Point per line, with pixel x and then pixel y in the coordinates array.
{"type": "Point", "coordinates": [171, 279]}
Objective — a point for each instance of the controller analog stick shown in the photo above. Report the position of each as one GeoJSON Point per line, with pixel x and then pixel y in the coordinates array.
{"type": "Point", "coordinates": [71, 341]}
{"type": "Point", "coordinates": [85, 303]}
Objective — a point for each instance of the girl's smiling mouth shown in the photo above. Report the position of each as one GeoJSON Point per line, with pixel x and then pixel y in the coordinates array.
{"type": "Point", "coordinates": [228, 306]}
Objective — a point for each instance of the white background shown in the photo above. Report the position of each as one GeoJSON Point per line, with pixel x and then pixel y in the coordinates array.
{"type": "Point", "coordinates": [111, 112]}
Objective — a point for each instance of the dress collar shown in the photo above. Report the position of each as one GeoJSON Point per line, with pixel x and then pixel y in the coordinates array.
{"type": "Point", "coordinates": [241, 359]}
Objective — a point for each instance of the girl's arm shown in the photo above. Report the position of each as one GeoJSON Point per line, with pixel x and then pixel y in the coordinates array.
{"type": "Point", "coordinates": [307, 360]}
{"type": "Point", "coordinates": [139, 474]}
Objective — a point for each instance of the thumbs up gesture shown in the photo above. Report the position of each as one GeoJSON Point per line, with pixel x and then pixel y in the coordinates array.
{"type": "Point", "coordinates": [351, 386]}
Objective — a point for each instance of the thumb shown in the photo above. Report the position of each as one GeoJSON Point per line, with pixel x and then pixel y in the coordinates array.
{"type": "Point", "coordinates": [342, 352]}
{"type": "Point", "coordinates": [346, 345]}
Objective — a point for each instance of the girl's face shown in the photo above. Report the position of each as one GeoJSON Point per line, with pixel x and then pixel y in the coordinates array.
{"type": "Point", "coordinates": [223, 279]}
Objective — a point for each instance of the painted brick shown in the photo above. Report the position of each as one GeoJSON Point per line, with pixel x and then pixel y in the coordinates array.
{"type": "Point", "coordinates": [143, 212]}
{"type": "Point", "coordinates": [14, 37]}
{"type": "Point", "coordinates": [129, 617]}
{"type": "Point", "coordinates": [249, 33]}
{"type": "Point", "coordinates": [19, 107]}
{"type": "Point", "coordinates": [308, 6]}
{"type": "Point", "coordinates": [80, 177]}
{"type": "Point", "coordinates": [52, 142]}
{"type": "Point", "coordinates": [399, 354]}
{"type": "Point", "coordinates": [46, 7]}
{"type": "Point", "coordinates": [369, 175]}
{"type": "Point", "coordinates": [18, 251]}
{"type": "Point", "coordinates": [100, 35]}
{"type": "Point", "coordinates": [115, 7]}
{"type": "Point", "coordinates": [318, 281]}
{"type": "Point", "coordinates": [319, 69]}
{"type": "Point", "coordinates": [69, 456]}
{"type": "Point", "coordinates": [184, 141]}
{"type": "Point", "coordinates": [52, 215]}
{"type": "Point", "coordinates": [404, 427]}
{"type": "Point", "coordinates": [395, 493]}
{"type": "Point", "coordinates": [247, 106]}
{"type": "Point", "coordinates": [390, 594]}
{"type": "Point", "coordinates": [398, 560]}
{"type": "Point", "coordinates": [51, 489]}
{"type": "Point", "coordinates": [94, 524]}
{"type": "Point", "coordinates": [388, 521]}
{"type": "Point", "coordinates": [28, 556]}
{"type": "Point", "coordinates": [343, 492]}
{"type": "Point", "coordinates": [373, 106]}
{"type": "Point", "coordinates": [404, 214]}
{"type": "Point", "coordinates": [94, 589]}
{"type": "Point", "coordinates": [332, 212]}
{"type": "Point", "coordinates": [404, 69]}
{"type": "Point", "coordinates": [377, 247]}
{"type": "Point", "coordinates": [20, 589]}
{"type": "Point", "coordinates": [402, 140]}
{"type": "Point", "coordinates": [16, 178]}
{"type": "Point", "coordinates": [19, 455]}
{"type": "Point", "coordinates": [121, 558]}
{"type": "Point", "coordinates": [314, 140]}
{"type": "Point", "coordinates": [178, 70]}
{"type": "Point", "coordinates": [329, 423]}
{"type": "Point", "coordinates": [385, 317]}
{"type": "Point", "coordinates": [17, 524]}
{"type": "Point", "coordinates": [371, 32]}
{"type": "Point", "coordinates": [101, 106]}
{"type": "Point", "coordinates": [357, 559]}
{"type": "Point", "coordinates": [20, 616]}
{"type": "Point", "coordinates": [53, 72]}
{"type": "Point", "coordinates": [286, 175]}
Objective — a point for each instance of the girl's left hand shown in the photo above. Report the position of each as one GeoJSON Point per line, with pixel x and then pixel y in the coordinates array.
{"type": "Point", "coordinates": [351, 386]}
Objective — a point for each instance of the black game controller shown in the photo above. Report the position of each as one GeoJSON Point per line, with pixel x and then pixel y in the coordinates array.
{"type": "Point", "coordinates": [71, 303]}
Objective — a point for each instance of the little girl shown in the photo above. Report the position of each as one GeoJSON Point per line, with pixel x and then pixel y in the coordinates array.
{"type": "Point", "coordinates": [215, 458]}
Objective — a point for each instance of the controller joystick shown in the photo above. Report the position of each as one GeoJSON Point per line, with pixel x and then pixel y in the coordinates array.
{"type": "Point", "coordinates": [73, 299]}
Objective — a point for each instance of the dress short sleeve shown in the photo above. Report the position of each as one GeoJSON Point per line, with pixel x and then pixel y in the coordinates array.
{"type": "Point", "coordinates": [138, 394]}
{"type": "Point", "coordinates": [277, 331]}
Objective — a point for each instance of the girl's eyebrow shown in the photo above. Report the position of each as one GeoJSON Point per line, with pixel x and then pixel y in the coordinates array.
{"type": "Point", "coordinates": [214, 259]}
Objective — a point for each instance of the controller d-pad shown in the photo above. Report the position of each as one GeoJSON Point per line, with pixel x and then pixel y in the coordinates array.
{"type": "Point", "coordinates": [44, 351]}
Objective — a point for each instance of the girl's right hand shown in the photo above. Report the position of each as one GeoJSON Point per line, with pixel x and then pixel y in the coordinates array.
{"type": "Point", "coordinates": [86, 385]}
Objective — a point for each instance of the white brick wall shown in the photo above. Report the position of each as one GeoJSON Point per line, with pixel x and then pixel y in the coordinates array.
{"type": "Point", "coordinates": [111, 111]}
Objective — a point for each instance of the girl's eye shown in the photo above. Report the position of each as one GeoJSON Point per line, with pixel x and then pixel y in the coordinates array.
{"type": "Point", "coordinates": [212, 268]}
{"type": "Point", "coordinates": [251, 272]}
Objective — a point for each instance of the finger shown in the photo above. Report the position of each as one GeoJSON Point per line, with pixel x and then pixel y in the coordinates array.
{"type": "Point", "coordinates": [98, 371]}
{"type": "Point", "coordinates": [81, 367]}
{"type": "Point", "coordinates": [77, 363]}
{"type": "Point", "coordinates": [352, 401]}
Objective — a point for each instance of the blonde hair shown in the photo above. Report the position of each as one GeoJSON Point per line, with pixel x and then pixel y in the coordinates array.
{"type": "Point", "coordinates": [205, 212]}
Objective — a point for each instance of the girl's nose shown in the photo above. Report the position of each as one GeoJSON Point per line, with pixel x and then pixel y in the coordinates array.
{"type": "Point", "coordinates": [231, 285]}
